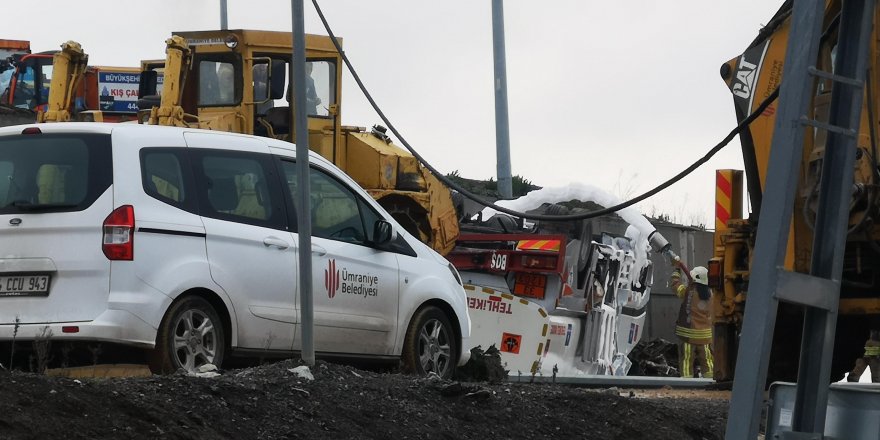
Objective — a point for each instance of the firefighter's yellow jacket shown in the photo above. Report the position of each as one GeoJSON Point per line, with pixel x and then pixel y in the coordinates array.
{"type": "Point", "coordinates": [694, 323]}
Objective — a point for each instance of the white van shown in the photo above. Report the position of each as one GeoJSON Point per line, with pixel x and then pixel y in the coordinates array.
{"type": "Point", "coordinates": [184, 241]}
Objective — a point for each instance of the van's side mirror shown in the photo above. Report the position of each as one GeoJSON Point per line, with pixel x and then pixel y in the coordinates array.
{"type": "Point", "coordinates": [148, 83]}
{"type": "Point", "coordinates": [277, 76]}
{"type": "Point", "coordinates": [382, 233]}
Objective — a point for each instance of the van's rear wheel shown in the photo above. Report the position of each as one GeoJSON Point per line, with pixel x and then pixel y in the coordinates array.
{"type": "Point", "coordinates": [191, 335]}
{"type": "Point", "coordinates": [430, 344]}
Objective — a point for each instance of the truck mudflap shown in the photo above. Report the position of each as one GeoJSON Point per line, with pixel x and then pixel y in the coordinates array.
{"type": "Point", "coordinates": [516, 327]}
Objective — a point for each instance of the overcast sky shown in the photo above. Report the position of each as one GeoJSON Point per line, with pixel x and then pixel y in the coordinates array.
{"type": "Point", "coordinates": [620, 95]}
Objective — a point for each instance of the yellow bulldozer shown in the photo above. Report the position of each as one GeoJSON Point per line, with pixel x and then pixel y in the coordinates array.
{"type": "Point", "coordinates": [239, 81]}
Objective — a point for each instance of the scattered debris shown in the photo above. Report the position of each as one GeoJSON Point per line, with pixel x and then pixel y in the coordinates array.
{"type": "Point", "coordinates": [433, 377]}
{"type": "Point", "coordinates": [207, 368]}
{"type": "Point", "coordinates": [303, 372]}
{"type": "Point", "coordinates": [452, 390]}
{"type": "Point", "coordinates": [302, 391]}
{"type": "Point", "coordinates": [206, 371]}
{"type": "Point", "coordinates": [479, 394]}
{"type": "Point", "coordinates": [657, 357]}
{"type": "Point", "coordinates": [483, 366]}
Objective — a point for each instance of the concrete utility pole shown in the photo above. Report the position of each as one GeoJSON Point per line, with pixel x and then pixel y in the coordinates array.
{"type": "Point", "coordinates": [223, 23]}
{"type": "Point", "coordinates": [502, 131]}
{"type": "Point", "coordinates": [303, 220]}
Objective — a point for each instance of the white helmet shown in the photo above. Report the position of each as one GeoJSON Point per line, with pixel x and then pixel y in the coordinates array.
{"type": "Point", "coordinates": [700, 275]}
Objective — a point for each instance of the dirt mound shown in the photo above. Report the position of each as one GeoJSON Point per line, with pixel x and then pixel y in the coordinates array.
{"type": "Point", "coordinates": [272, 402]}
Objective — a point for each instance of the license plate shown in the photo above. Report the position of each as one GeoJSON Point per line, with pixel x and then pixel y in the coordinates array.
{"type": "Point", "coordinates": [24, 285]}
{"type": "Point", "coordinates": [530, 285]}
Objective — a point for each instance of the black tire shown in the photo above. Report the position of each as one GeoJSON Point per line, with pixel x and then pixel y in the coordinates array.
{"type": "Point", "coordinates": [178, 346]}
{"type": "Point", "coordinates": [430, 344]}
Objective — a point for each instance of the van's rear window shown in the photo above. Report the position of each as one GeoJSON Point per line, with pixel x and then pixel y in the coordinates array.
{"type": "Point", "coordinates": [53, 172]}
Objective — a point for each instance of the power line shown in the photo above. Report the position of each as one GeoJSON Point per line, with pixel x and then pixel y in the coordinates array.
{"type": "Point", "coordinates": [542, 217]}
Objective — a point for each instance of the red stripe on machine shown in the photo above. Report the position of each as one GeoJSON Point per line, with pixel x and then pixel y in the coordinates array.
{"type": "Point", "coordinates": [722, 183]}
{"type": "Point", "coordinates": [721, 213]}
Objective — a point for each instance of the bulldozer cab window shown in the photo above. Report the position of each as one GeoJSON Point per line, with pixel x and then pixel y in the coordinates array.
{"type": "Point", "coordinates": [217, 83]}
{"type": "Point", "coordinates": [320, 87]}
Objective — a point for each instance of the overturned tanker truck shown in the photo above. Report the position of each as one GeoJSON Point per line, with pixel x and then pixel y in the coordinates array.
{"type": "Point", "coordinates": [557, 299]}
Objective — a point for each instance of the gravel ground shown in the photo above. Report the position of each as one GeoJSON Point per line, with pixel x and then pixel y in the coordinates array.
{"type": "Point", "coordinates": [272, 402]}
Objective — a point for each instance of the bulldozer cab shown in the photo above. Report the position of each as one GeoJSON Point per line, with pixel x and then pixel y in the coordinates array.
{"type": "Point", "coordinates": [240, 81]}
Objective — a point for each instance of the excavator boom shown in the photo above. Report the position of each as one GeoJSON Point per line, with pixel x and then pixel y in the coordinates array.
{"type": "Point", "coordinates": [68, 67]}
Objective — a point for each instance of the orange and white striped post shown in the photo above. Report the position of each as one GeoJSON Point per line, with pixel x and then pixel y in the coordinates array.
{"type": "Point", "coordinates": [728, 200]}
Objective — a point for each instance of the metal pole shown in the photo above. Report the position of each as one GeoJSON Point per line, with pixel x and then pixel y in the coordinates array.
{"type": "Point", "coordinates": [502, 131]}
{"type": "Point", "coordinates": [783, 167]}
{"type": "Point", "coordinates": [303, 220]}
{"type": "Point", "coordinates": [223, 23]}
{"type": "Point", "coordinates": [832, 215]}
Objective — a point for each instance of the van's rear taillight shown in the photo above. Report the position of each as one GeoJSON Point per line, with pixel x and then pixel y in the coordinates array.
{"type": "Point", "coordinates": [118, 242]}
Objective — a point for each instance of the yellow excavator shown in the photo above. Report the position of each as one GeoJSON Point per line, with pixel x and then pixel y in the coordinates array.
{"type": "Point", "coordinates": [38, 97]}
{"type": "Point", "coordinates": [239, 81]}
{"type": "Point", "coordinates": [752, 77]}
{"type": "Point", "coordinates": [60, 86]}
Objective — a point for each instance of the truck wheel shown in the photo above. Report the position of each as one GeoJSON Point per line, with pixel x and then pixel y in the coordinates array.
{"type": "Point", "coordinates": [430, 344]}
{"type": "Point", "coordinates": [191, 335]}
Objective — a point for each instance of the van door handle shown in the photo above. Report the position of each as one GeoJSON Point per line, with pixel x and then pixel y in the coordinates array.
{"type": "Point", "coordinates": [277, 242]}
{"type": "Point", "coordinates": [318, 250]}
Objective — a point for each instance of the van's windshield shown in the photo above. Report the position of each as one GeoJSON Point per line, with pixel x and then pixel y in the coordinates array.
{"type": "Point", "coordinates": [53, 172]}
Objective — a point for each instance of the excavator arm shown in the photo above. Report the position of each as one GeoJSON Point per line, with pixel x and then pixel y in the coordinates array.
{"type": "Point", "coordinates": [68, 67]}
{"type": "Point", "coordinates": [177, 64]}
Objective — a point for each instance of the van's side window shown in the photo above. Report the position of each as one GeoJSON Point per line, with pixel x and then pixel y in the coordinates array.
{"type": "Point", "coordinates": [236, 186]}
{"type": "Point", "coordinates": [162, 172]}
{"type": "Point", "coordinates": [336, 212]}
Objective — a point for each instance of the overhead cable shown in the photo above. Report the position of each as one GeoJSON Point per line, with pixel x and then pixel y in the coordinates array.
{"type": "Point", "coordinates": [531, 216]}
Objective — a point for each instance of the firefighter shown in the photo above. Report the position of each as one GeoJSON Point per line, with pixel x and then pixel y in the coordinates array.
{"type": "Point", "coordinates": [694, 324]}
{"type": "Point", "coordinates": [871, 358]}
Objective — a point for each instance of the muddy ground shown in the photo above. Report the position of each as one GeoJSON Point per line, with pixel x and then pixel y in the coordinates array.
{"type": "Point", "coordinates": [271, 402]}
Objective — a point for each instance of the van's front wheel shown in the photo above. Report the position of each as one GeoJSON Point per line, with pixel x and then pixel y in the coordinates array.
{"type": "Point", "coordinates": [191, 335]}
{"type": "Point", "coordinates": [430, 344]}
